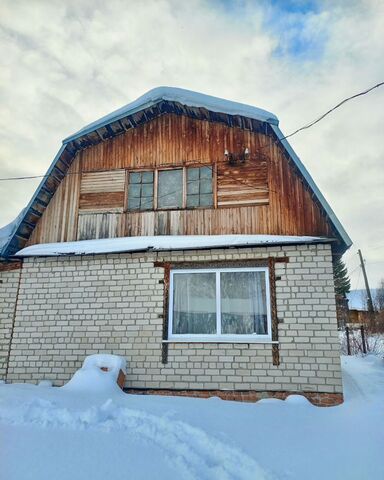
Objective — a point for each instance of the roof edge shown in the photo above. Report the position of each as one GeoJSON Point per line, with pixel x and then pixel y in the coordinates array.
{"type": "Point", "coordinates": [24, 212]}
{"type": "Point", "coordinates": [331, 214]}
{"type": "Point", "coordinates": [184, 97]}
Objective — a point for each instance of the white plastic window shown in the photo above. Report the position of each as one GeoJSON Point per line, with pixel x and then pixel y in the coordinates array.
{"type": "Point", "coordinates": [220, 304]}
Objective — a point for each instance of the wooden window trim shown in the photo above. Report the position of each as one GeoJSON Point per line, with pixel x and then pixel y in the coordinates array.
{"type": "Point", "coordinates": [269, 262]}
{"type": "Point", "coordinates": [184, 201]}
{"type": "Point", "coordinates": [155, 188]}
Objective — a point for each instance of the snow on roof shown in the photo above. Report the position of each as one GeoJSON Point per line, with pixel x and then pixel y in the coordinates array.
{"type": "Point", "coordinates": [185, 97]}
{"type": "Point", "coordinates": [163, 242]}
{"type": "Point", "coordinates": [7, 231]}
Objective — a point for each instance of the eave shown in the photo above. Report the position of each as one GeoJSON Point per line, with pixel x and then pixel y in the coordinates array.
{"type": "Point", "coordinates": [155, 103]}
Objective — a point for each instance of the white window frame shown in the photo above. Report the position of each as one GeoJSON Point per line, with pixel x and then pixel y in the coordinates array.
{"type": "Point", "coordinates": [220, 337]}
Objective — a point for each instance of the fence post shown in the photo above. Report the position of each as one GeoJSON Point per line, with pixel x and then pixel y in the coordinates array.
{"type": "Point", "coordinates": [348, 344]}
{"type": "Point", "coordinates": [363, 339]}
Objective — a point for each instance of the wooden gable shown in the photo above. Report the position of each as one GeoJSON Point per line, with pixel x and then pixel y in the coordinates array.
{"type": "Point", "coordinates": [264, 195]}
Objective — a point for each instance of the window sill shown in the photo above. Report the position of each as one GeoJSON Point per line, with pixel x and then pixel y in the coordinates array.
{"type": "Point", "coordinates": [221, 340]}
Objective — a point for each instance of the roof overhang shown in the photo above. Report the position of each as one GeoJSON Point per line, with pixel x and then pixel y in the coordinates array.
{"type": "Point", "coordinates": [163, 243]}
{"type": "Point", "coordinates": [183, 97]}
{"type": "Point", "coordinates": [147, 107]}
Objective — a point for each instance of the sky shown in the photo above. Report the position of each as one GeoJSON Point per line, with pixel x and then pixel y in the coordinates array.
{"type": "Point", "coordinates": [65, 64]}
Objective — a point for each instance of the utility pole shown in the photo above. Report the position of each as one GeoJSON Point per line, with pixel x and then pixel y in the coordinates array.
{"type": "Point", "coordinates": [369, 296]}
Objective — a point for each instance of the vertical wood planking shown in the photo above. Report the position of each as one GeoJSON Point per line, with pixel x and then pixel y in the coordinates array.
{"type": "Point", "coordinates": [284, 204]}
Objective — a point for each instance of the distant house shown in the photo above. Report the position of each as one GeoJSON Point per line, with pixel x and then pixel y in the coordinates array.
{"type": "Point", "coordinates": [183, 233]}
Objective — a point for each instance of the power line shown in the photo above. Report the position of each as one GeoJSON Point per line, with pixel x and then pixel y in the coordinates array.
{"type": "Point", "coordinates": [333, 109]}
{"type": "Point", "coordinates": [305, 127]}
{"type": "Point", "coordinates": [350, 273]}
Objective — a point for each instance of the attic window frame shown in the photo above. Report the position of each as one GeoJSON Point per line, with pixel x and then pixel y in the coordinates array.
{"type": "Point", "coordinates": [184, 169]}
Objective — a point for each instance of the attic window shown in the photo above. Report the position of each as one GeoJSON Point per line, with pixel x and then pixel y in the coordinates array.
{"type": "Point", "coordinates": [170, 189]}
{"type": "Point", "coordinates": [199, 187]}
{"type": "Point", "coordinates": [140, 191]}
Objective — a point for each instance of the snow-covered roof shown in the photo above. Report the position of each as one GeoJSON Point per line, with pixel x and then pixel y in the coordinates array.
{"type": "Point", "coordinates": [154, 98]}
{"type": "Point", "coordinates": [7, 231]}
{"type": "Point", "coordinates": [162, 242]}
{"type": "Point", "coordinates": [184, 97]}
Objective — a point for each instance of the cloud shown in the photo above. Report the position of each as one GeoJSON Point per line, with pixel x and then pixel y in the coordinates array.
{"type": "Point", "coordinates": [65, 64]}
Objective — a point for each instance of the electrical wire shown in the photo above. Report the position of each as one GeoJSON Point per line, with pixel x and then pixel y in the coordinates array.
{"type": "Point", "coordinates": [305, 127]}
{"type": "Point", "coordinates": [332, 109]}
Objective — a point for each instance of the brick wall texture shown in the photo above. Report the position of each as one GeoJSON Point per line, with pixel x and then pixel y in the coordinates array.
{"type": "Point", "coordinates": [69, 307]}
{"type": "Point", "coordinates": [8, 290]}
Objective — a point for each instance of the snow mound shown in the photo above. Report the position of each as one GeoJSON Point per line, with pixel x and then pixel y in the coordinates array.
{"type": "Point", "coordinates": [113, 363]}
{"type": "Point", "coordinates": [45, 383]}
{"type": "Point", "coordinates": [98, 374]}
{"type": "Point", "coordinates": [298, 400]}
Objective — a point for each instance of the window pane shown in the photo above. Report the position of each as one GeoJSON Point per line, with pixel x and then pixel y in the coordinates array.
{"type": "Point", "coordinates": [206, 172]}
{"type": "Point", "coordinates": [243, 303]}
{"type": "Point", "coordinates": [170, 193]}
{"type": "Point", "coordinates": [193, 173]}
{"type": "Point", "coordinates": [193, 187]}
{"type": "Point", "coordinates": [199, 182]}
{"type": "Point", "coordinates": [147, 190]}
{"type": "Point", "coordinates": [205, 186]}
{"type": "Point", "coordinates": [206, 200]}
{"type": "Point", "coordinates": [194, 303]}
{"type": "Point", "coordinates": [192, 201]}
{"type": "Point", "coordinates": [147, 177]}
{"type": "Point", "coordinates": [146, 203]}
{"type": "Point", "coordinates": [133, 203]}
{"type": "Point", "coordinates": [134, 190]}
{"type": "Point", "coordinates": [134, 177]}
{"type": "Point", "coordinates": [140, 191]}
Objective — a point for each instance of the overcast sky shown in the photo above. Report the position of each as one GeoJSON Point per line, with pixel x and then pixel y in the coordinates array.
{"type": "Point", "coordinates": [66, 63]}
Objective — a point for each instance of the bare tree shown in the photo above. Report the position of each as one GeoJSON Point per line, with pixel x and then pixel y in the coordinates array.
{"type": "Point", "coordinates": [379, 297]}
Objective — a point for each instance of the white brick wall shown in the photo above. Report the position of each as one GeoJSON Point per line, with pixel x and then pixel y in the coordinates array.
{"type": "Point", "coordinates": [70, 307]}
{"type": "Point", "coordinates": [8, 290]}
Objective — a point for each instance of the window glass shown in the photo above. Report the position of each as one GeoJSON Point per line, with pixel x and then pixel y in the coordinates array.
{"type": "Point", "coordinates": [243, 303]}
{"type": "Point", "coordinates": [134, 177]}
{"type": "Point", "coordinates": [205, 200]}
{"type": "Point", "coordinates": [199, 187]}
{"type": "Point", "coordinates": [194, 303]}
{"type": "Point", "coordinates": [193, 201]}
{"type": "Point", "coordinates": [170, 189]}
{"type": "Point", "coordinates": [147, 177]}
{"type": "Point", "coordinates": [221, 303]}
{"type": "Point", "coordinates": [140, 191]}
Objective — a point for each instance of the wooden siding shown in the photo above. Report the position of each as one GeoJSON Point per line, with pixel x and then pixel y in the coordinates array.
{"type": "Point", "coordinates": [263, 195]}
{"type": "Point", "coordinates": [110, 181]}
{"type": "Point", "coordinates": [59, 221]}
{"type": "Point", "coordinates": [100, 225]}
{"type": "Point", "coordinates": [102, 190]}
{"type": "Point", "coordinates": [243, 184]}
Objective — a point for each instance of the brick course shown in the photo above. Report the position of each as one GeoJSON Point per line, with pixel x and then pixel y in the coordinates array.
{"type": "Point", "coordinates": [9, 279]}
{"type": "Point", "coordinates": [74, 306]}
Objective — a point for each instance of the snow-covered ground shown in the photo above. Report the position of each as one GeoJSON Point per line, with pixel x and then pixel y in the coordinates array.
{"type": "Point", "coordinates": [79, 433]}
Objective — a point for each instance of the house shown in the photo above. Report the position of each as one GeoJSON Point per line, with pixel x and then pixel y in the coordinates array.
{"type": "Point", "coordinates": [183, 233]}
